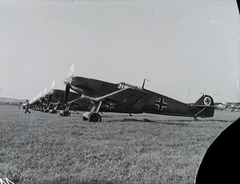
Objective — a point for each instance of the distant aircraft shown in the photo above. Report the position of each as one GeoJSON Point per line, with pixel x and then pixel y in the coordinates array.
{"type": "Point", "coordinates": [126, 98]}
{"type": "Point", "coordinates": [75, 103]}
{"type": "Point", "coordinates": [220, 106]}
{"type": "Point", "coordinates": [233, 106]}
{"type": "Point", "coordinates": [39, 102]}
{"type": "Point", "coordinates": [53, 100]}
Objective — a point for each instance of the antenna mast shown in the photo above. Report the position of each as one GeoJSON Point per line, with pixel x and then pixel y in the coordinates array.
{"type": "Point", "coordinates": [144, 83]}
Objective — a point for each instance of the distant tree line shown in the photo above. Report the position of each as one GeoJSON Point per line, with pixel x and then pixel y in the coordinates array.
{"type": "Point", "coordinates": [10, 103]}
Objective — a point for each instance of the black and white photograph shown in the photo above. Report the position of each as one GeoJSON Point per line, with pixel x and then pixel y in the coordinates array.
{"type": "Point", "coordinates": [122, 91]}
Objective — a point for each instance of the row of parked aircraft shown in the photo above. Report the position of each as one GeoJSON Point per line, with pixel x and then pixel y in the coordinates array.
{"type": "Point", "coordinates": [94, 96]}
{"type": "Point", "coordinates": [230, 106]}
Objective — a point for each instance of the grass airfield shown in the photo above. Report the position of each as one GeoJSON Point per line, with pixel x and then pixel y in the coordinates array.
{"type": "Point", "coordinates": [47, 148]}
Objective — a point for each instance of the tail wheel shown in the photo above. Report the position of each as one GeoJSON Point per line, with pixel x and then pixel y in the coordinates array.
{"type": "Point", "coordinates": [95, 117]}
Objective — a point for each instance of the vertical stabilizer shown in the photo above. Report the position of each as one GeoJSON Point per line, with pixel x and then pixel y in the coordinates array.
{"type": "Point", "coordinates": [205, 100]}
{"type": "Point", "coordinates": [206, 105]}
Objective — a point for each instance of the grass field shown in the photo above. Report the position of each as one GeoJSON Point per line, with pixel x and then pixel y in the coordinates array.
{"type": "Point", "coordinates": [47, 148]}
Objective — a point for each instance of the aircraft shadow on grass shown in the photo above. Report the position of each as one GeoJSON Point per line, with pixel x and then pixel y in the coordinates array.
{"type": "Point", "coordinates": [171, 122]}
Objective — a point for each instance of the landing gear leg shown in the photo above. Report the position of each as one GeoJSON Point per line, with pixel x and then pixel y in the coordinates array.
{"type": "Point", "coordinates": [66, 112]}
{"type": "Point", "coordinates": [93, 115]}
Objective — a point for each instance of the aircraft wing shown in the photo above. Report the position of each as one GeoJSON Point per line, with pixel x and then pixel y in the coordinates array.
{"type": "Point", "coordinates": [131, 99]}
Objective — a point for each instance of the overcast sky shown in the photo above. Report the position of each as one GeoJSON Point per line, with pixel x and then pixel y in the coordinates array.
{"type": "Point", "coordinates": [185, 48]}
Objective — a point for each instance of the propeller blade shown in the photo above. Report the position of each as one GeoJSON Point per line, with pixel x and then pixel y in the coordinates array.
{"type": "Point", "coordinates": [39, 97]}
{"type": "Point", "coordinates": [45, 91]}
{"type": "Point", "coordinates": [71, 71]}
{"type": "Point", "coordinates": [66, 93]}
{"type": "Point", "coordinates": [49, 99]}
{"type": "Point", "coordinates": [68, 83]}
{"type": "Point", "coordinates": [53, 84]}
{"type": "Point", "coordinates": [68, 80]}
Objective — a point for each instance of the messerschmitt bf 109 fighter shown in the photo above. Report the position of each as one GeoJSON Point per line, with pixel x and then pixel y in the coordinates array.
{"type": "Point", "coordinates": [74, 103]}
{"type": "Point", "coordinates": [41, 101]}
{"type": "Point", "coordinates": [37, 102]}
{"type": "Point", "coordinates": [53, 100]}
{"type": "Point", "coordinates": [126, 98]}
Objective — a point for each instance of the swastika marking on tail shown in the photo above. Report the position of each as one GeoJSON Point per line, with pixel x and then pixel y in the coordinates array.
{"type": "Point", "coordinates": [207, 101]}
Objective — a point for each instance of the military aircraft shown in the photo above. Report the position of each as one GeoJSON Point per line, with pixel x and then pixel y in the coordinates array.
{"type": "Point", "coordinates": [220, 106]}
{"type": "Point", "coordinates": [53, 100]}
{"type": "Point", "coordinates": [232, 106]}
{"type": "Point", "coordinates": [36, 103]}
{"type": "Point", "coordinates": [39, 102]}
{"type": "Point", "coordinates": [125, 98]}
{"type": "Point", "coordinates": [75, 103]}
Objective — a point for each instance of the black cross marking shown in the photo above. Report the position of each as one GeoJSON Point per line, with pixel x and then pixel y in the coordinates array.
{"type": "Point", "coordinates": [161, 104]}
{"type": "Point", "coordinates": [109, 107]}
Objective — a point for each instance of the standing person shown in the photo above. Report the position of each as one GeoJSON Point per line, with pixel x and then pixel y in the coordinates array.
{"type": "Point", "coordinates": [27, 107]}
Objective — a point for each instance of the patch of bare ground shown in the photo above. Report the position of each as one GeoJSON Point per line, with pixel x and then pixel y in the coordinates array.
{"type": "Point", "coordinates": [46, 148]}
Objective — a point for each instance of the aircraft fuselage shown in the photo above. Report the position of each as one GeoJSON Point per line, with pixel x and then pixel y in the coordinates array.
{"type": "Point", "coordinates": [137, 100]}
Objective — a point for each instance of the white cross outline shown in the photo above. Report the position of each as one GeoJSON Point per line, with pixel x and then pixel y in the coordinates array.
{"type": "Point", "coordinates": [161, 104]}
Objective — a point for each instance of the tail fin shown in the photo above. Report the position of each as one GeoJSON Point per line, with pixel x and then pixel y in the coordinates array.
{"type": "Point", "coordinates": [206, 105]}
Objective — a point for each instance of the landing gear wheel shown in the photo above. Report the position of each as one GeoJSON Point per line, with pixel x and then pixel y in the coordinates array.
{"type": "Point", "coordinates": [95, 117]}
{"type": "Point", "coordinates": [46, 110]}
{"type": "Point", "coordinates": [53, 111]}
{"type": "Point", "coordinates": [65, 113]}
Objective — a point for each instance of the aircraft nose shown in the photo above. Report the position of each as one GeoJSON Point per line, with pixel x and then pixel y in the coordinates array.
{"type": "Point", "coordinates": [74, 81]}
{"type": "Point", "coordinates": [65, 81]}
{"type": "Point", "coordinates": [68, 80]}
